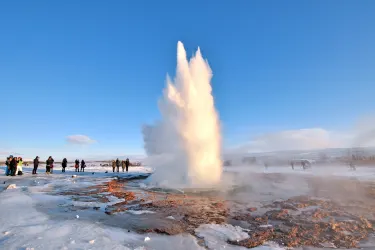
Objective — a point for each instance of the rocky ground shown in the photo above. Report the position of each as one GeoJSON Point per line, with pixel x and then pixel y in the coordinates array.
{"type": "Point", "coordinates": [334, 213]}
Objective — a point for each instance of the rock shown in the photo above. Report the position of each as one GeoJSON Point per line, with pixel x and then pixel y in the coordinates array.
{"type": "Point", "coordinates": [11, 186]}
{"type": "Point", "coordinates": [74, 176]}
{"type": "Point", "coordinates": [106, 172]}
{"type": "Point", "coordinates": [92, 173]}
{"type": "Point", "coordinates": [147, 239]}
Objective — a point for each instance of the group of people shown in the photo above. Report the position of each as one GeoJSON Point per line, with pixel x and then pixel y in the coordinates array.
{"type": "Point", "coordinates": [76, 166]}
{"type": "Point", "coordinates": [49, 165]}
{"type": "Point", "coordinates": [13, 166]}
{"type": "Point", "coordinates": [124, 164]}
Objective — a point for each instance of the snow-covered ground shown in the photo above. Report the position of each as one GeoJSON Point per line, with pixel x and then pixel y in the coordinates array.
{"type": "Point", "coordinates": [365, 173]}
{"type": "Point", "coordinates": [30, 218]}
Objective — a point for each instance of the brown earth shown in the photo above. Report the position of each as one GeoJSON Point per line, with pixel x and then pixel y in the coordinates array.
{"type": "Point", "coordinates": [344, 213]}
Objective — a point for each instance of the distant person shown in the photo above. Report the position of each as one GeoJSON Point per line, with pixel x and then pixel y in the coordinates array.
{"type": "Point", "coordinates": [49, 164]}
{"type": "Point", "coordinates": [113, 165]}
{"type": "Point", "coordinates": [76, 166]}
{"type": "Point", "coordinates": [266, 165]}
{"type": "Point", "coordinates": [83, 165]}
{"type": "Point", "coordinates": [19, 166]}
{"type": "Point", "coordinates": [52, 163]}
{"type": "Point", "coordinates": [123, 165]}
{"type": "Point", "coordinates": [13, 166]}
{"type": "Point", "coordinates": [7, 164]}
{"type": "Point", "coordinates": [118, 165]}
{"type": "Point", "coordinates": [64, 164]}
{"type": "Point", "coordinates": [292, 164]}
{"type": "Point", "coordinates": [127, 163]}
{"type": "Point", "coordinates": [36, 164]}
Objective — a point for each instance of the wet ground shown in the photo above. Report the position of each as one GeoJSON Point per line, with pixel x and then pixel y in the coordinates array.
{"type": "Point", "coordinates": [294, 211]}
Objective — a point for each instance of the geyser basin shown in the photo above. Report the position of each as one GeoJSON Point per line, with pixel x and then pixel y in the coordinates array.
{"type": "Point", "coordinates": [187, 139]}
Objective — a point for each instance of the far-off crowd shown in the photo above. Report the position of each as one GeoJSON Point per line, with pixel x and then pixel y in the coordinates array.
{"type": "Point", "coordinates": [14, 165]}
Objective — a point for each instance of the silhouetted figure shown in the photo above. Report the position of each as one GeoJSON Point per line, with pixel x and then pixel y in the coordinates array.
{"type": "Point", "coordinates": [113, 165]}
{"type": "Point", "coordinates": [118, 165]}
{"type": "Point", "coordinates": [292, 164]}
{"type": "Point", "coordinates": [36, 164]}
{"type": "Point", "coordinates": [13, 166]}
{"type": "Point", "coordinates": [83, 165]}
{"type": "Point", "coordinates": [76, 166]}
{"type": "Point", "coordinates": [7, 163]}
{"type": "Point", "coordinates": [64, 164]}
{"type": "Point", "coordinates": [127, 163]}
{"type": "Point", "coordinates": [49, 165]}
{"type": "Point", "coordinates": [123, 165]}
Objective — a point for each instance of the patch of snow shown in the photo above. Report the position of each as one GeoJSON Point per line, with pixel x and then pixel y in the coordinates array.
{"type": "Point", "coordinates": [147, 239]}
{"type": "Point", "coordinates": [216, 236]}
{"type": "Point", "coordinates": [138, 212]}
{"type": "Point", "coordinates": [171, 218]}
{"type": "Point", "coordinates": [11, 186]}
{"type": "Point", "coordinates": [265, 226]}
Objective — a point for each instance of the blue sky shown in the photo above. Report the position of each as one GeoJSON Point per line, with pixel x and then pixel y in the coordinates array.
{"type": "Point", "coordinates": [97, 68]}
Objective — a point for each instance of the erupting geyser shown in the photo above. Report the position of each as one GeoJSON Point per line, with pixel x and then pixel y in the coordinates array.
{"type": "Point", "coordinates": [187, 139]}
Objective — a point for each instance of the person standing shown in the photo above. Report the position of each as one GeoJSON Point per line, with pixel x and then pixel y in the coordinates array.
{"type": "Point", "coordinates": [36, 164]}
{"type": "Point", "coordinates": [49, 164]}
{"type": "Point", "coordinates": [127, 163]}
{"type": "Point", "coordinates": [13, 166]}
{"type": "Point", "coordinates": [118, 165]}
{"type": "Point", "coordinates": [64, 164]}
{"type": "Point", "coordinates": [123, 165]}
{"type": "Point", "coordinates": [52, 164]}
{"type": "Point", "coordinates": [83, 165]}
{"type": "Point", "coordinates": [19, 166]}
{"type": "Point", "coordinates": [113, 165]}
{"type": "Point", "coordinates": [76, 166]}
{"type": "Point", "coordinates": [7, 163]}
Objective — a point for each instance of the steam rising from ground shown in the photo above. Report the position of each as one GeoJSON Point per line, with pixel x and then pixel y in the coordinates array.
{"type": "Point", "coordinates": [185, 145]}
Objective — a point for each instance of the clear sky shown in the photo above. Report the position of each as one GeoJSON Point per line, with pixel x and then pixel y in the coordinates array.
{"type": "Point", "coordinates": [97, 68]}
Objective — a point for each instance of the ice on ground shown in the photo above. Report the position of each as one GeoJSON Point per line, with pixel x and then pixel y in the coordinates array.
{"type": "Point", "coordinates": [11, 186]}
{"type": "Point", "coordinates": [216, 237]}
{"type": "Point", "coordinates": [28, 228]}
{"type": "Point", "coordinates": [138, 212]}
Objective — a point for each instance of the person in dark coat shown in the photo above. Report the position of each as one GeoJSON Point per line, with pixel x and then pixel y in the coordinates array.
{"type": "Point", "coordinates": [64, 164]}
{"type": "Point", "coordinates": [49, 165]}
{"type": "Point", "coordinates": [36, 164]}
{"type": "Point", "coordinates": [118, 165]}
{"type": "Point", "coordinates": [52, 161]}
{"type": "Point", "coordinates": [13, 166]}
{"type": "Point", "coordinates": [127, 163]}
{"type": "Point", "coordinates": [83, 165]}
{"type": "Point", "coordinates": [7, 163]}
{"type": "Point", "coordinates": [76, 165]}
{"type": "Point", "coordinates": [113, 165]}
